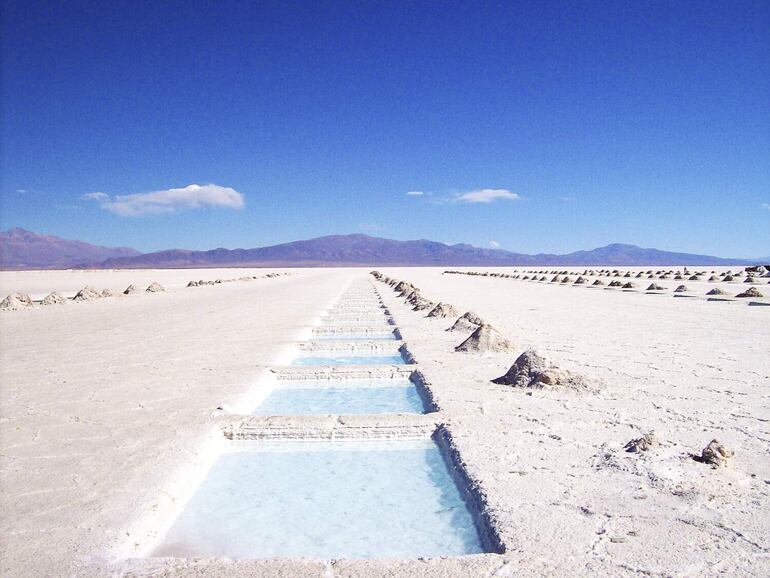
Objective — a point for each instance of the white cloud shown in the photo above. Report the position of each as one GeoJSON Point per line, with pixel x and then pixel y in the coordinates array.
{"type": "Point", "coordinates": [766, 206]}
{"type": "Point", "coordinates": [415, 193]}
{"type": "Point", "coordinates": [96, 196]}
{"type": "Point", "coordinates": [169, 200]}
{"type": "Point", "coordinates": [487, 196]}
{"type": "Point", "coordinates": [494, 244]}
{"type": "Point", "coordinates": [566, 199]}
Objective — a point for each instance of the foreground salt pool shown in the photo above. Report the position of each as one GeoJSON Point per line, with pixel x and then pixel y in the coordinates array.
{"type": "Point", "coordinates": [326, 500]}
{"type": "Point", "coordinates": [346, 396]}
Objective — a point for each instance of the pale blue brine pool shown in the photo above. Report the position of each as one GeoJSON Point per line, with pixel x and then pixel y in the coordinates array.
{"type": "Point", "coordinates": [340, 397]}
{"type": "Point", "coordinates": [356, 336]}
{"type": "Point", "coordinates": [347, 358]}
{"type": "Point", "coordinates": [326, 500]}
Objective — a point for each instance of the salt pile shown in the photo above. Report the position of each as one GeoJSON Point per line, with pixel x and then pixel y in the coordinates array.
{"type": "Point", "coordinates": [715, 454]}
{"type": "Point", "coordinates": [443, 310]}
{"type": "Point", "coordinates": [485, 338]}
{"type": "Point", "coordinates": [54, 299]}
{"type": "Point", "coordinates": [469, 321]}
{"type": "Point", "coordinates": [16, 301]}
{"type": "Point", "coordinates": [87, 293]}
{"type": "Point", "coordinates": [531, 370]}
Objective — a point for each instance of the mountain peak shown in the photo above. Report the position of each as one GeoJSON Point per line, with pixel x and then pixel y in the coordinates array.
{"type": "Point", "coordinates": [23, 249]}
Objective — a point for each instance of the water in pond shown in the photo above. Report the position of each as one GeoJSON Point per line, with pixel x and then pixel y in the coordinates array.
{"type": "Point", "coordinates": [326, 500]}
{"type": "Point", "coordinates": [349, 396]}
{"type": "Point", "coordinates": [356, 336]}
{"type": "Point", "coordinates": [347, 358]}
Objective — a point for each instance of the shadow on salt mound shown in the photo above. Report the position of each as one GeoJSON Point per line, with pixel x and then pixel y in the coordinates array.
{"type": "Point", "coordinates": [531, 370]}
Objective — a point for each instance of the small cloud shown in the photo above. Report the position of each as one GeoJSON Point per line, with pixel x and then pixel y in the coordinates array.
{"type": "Point", "coordinates": [494, 244]}
{"type": "Point", "coordinates": [766, 206]}
{"type": "Point", "coordinates": [415, 193]}
{"type": "Point", "coordinates": [566, 199]}
{"type": "Point", "coordinates": [169, 200]}
{"type": "Point", "coordinates": [96, 196]}
{"type": "Point", "coordinates": [487, 196]}
{"type": "Point", "coordinates": [22, 191]}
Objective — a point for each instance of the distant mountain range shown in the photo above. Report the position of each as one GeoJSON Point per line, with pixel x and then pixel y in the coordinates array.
{"type": "Point", "coordinates": [20, 249]}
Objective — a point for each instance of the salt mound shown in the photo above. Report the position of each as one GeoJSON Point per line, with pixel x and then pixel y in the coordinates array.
{"type": "Point", "coordinates": [87, 293]}
{"type": "Point", "coordinates": [108, 293]}
{"type": "Point", "coordinates": [485, 338]}
{"type": "Point", "coordinates": [642, 444]}
{"type": "Point", "coordinates": [131, 289]}
{"type": "Point", "coordinates": [443, 310]}
{"type": "Point", "coordinates": [154, 287]}
{"type": "Point", "coordinates": [191, 284]}
{"type": "Point", "coordinates": [533, 371]}
{"type": "Point", "coordinates": [566, 280]}
{"type": "Point", "coordinates": [715, 454]}
{"type": "Point", "coordinates": [629, 285]}
{"type": "Point", "coordinates": [423, 304]}
{"type": "Point", "coordinates": [16, 301]}
{"type": "Point", "coordinates": [717, 291]}
{"type": "Point", "coordinates": [750, 279]}
{"type": "Point", "coordinates": [728, 278]}
{"type": "Point", "coordinates": [598, 282]}
{"type": "Point", "coordinates": [750, 292]}
{"type": "Point", "coordinates": [615, 284]}
{"type": "Point", "coordinates": [656, 287]}
{"type": "Point", "coordinates": [579, 281]}
{"type": "Point", "coordinates": [54, 299]}
{"type": "Point", "coordinates": [556, 279]}
{"type": "Point", "coordinates": [469, 321]}
{"type": "Point", "coordinates": [680, 289]}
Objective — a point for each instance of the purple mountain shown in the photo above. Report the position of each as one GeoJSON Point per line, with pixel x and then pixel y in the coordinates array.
{"type": "Point", "coordinates": [24, 250]}
{"type": "Point", "coordinates": [20, 249]}
{"type": "Point", "coordinates": [351, 250]}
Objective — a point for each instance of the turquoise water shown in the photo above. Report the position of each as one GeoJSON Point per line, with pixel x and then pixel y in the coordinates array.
{"type": "Point", "coordinates": [326, 500]}
{"type": "Point", "coordinates": [342, 400]}
{"type": "Point", "coordinates": [356, 336]}
{"type": "Point", "coordinates": [343, 358]}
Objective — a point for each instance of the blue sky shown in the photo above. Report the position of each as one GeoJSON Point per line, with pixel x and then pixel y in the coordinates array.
{"type": "Point", "coordinates": [536, 126]}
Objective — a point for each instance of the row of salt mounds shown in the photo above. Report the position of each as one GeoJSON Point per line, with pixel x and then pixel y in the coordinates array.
{"type": "Point", "coordinates": [485, 338]}
{"type": "Point", "coordinates": [531, 370]}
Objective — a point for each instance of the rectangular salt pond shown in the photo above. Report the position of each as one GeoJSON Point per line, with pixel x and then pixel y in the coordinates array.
{"type": "Point", "coordinates": [348, 358]}
{"type": "Point", "coordinates": [357, 336]}
{"type": "Point", "coordinates": [343, 396]}
{"type": "Point", "coordinates": [326, 500]}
